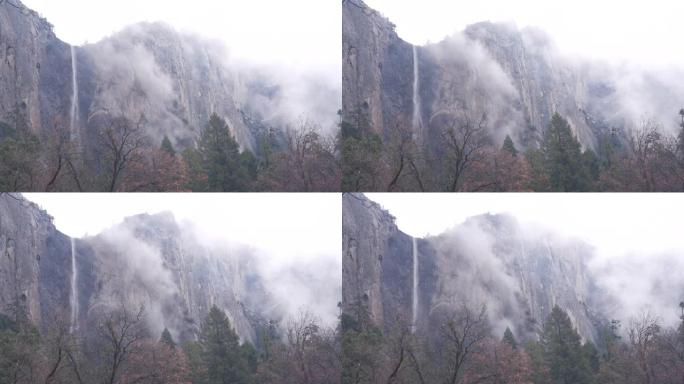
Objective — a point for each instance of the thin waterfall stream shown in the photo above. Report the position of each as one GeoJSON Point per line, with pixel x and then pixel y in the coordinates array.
{"type": "Point", "coordinates": [74, 289]}
{"type": "Point", "coordinates": [415, 284]}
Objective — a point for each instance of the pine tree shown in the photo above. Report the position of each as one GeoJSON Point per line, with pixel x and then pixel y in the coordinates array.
{"type": "Point", "coordinates": [680, 328]}
{"type": "Point", "coordinates": [509, 339]}
{"type": "Point", "coordinates": [509, 146]}
{"type": "Point", "coordinates": [197, 179]}
{"type": "Point", "coordinates": [167, 339]}
{"type": "Point", "coordinates": [167, 147]}
{"type": "Point", "coordinates": [563, 157]}
{"type": "Point", "coordinates": [563, 350]}
{"type": "Point", "coordinates": [539, 370]}
{"type": "Point", "coordinates": [221, 353]}
{"type": "Point", "coordinates": [680, 138]}
{"type": "Point", "coordinates": [591, 355]}
{"type": "Point", "coordinates": [221, 158]}
{"type": "Point", "coordinates": [591, 168]}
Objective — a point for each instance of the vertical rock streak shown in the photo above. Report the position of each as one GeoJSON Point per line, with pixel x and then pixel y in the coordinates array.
{"type": "Point", "coordinates": [74, 96]}
{"type": "Point", "coordinates": [417, 119]}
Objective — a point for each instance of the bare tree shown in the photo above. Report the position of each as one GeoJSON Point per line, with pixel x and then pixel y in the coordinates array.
{"type": "Point", "coordinates": [643, 332]}
{"type": "Point", "coordinates": [307, 163]}
{"type": "Point", "coordinates": [464, 141]}
{"type": "Point", "coordinates": [61, 157]}
{"type": "Point", "coordinates": [122, 332]}
{"type": "Point", "coordinates": [463, 333]}
{"type": "Point", "coordinates": [311, 355]}
{"type": "Point", "coordinates": [58, 353]}
{"type": "Point", "coordinates": [402, 158]}
{"type": "Point", "coordinates": [122, 141]}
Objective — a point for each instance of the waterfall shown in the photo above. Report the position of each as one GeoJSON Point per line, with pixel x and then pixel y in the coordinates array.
{"type": "Point", "coordinates": [74, 96]}
{"type": "Point", "coordinates": [415, 284]}
{"type": "Point", "coordinates": [74, 290]}
{"type": "Point", "coordinates": [417, 116]}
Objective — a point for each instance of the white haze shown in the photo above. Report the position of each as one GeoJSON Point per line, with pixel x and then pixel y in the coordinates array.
{"type": "Point", "coordinates": [294, 238]}
{"type": "Point", "coordinates": [629, 47]}
{"type": "Point", "coordinates": [636, 238]}
{"type": "Point", "coordinates": [296, 44]}
{"type": "Point", "coordinates": [644, 32]}
{"type": "Point", "coordinates": [299, 33]}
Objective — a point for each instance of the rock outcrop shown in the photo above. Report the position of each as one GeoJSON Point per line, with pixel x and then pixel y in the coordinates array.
{"type": "Point", "coordinates": [516, 77]}
{"type": "Point", "coordinates": [35, 261]}
{"type": "Point", "coordinates": [172, 81]}
{"type": "Point", "coordinates": [517, 273]}
{"type": "Point", "coordinates": [148, 260]}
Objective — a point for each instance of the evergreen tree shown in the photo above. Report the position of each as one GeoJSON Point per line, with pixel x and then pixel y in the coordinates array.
{"type": "Point", "coordinates": [251, 356]}
{"type": "Point", "coordinates": [167, 339]}
{"type": "Point", "coordinates": [361, 152]}
{"type": "Point", "coordinates": [167, 147]}
{"type": "Point", "coordinates": [221, 353]}
{"type": "Point", "coordinates": [591, 355]}
{"type": "Point", "coordinates": [197, 179]}
{"type": "Point", "coordinates": [591, 168]}
{"type": "Point", "coordinates": [19, 348]}
{"type": "Point", "coordinates": [221, 158]}
{"type": "Point", "coordinates": [509, 339]}
{"type": "Point", "coordinates": [680, 138]}
{"type": "Point", "coordinates": [19, 154]}
{"type": "Point", "coordinates": [680, 328]}
{"type": "Point", "coordinates": [509, 146]}
{"type": "Point", "coordinates": [250, 168]}
{"type": "Point", "coordinates": [563, 157]}
{"type": "Point", "coordinates": [539, 178]}
{"type": "Point", "coordinates": [563, 352]}
{"type": "Point", "coordinates": [539, 370]}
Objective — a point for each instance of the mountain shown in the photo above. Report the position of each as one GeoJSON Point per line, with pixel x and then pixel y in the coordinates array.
{"type": "Point", "coordinates": [172, 81]}
{"type": "Point", "coordinates": [517, 77]}
{"type": "Point", "coordinates": [148, 260]}
{"type": "Point", "coordinates": [520, 274]}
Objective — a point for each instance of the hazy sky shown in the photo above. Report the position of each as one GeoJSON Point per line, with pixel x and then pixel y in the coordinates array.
{"type": "Point", "coordinates": [646, 32]}
{"type": "Point", "coordinates": [614, 223]}
{"type": "Point", "coordinates": [291, 226]}
{"type": "Point", "coordinates": [299, 33]}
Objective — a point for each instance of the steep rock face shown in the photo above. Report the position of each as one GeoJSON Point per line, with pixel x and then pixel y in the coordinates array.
{"type": "Point", "coordinates": [147, 260]}
{"type": "Point", "coordinates": [489, 260]}
{"type": "Point", "coordinates": [377, 74]}
{"type": "Point", "coordinates": [35, 262]}
{"type": "Point", "coordinates": [543, 82]}
{"type": "Point", "coordinates": [519, 273]}
{"type": "Point", "coordinates": [35, 67]}
{"type": "Point", "coordinates": [370, 252]}
{"type": "Point", "coordinates": [515, 77]}
{"type": "Point", "coordinates": [175, 81]}
{"type": "Point", "coordinates": [151, 261]}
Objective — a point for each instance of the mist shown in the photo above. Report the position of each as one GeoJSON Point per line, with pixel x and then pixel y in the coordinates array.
{"type": "Point", "coordinates": [276, 255]}
{"type": "Point", "coordinates": [177, 64]}
{"type": "Point", "coordinates": [620, 74]}
{"type": "Point", "coordinates": [471, 273]}
{"type": "Point", "coordinates": [310, 282]}
{"type": "Point", "coordinates": [626, 248]}
{"type": "Point", "coordinates": [470, 71]}
{"type": "Point", "coordinates": [643, 33]}
{"type": "Point", "coordinates": [177, 79]}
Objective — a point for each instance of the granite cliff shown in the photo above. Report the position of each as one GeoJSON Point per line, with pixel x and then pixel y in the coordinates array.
{"type": "Point", "coordinates": [517, 77]}
{"type": "Point", "coordinates": [518, 273]}
{"type": "Point", "coordinates": [148, 260]}
{"type": "Point", "coordinates": [172, 81]}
